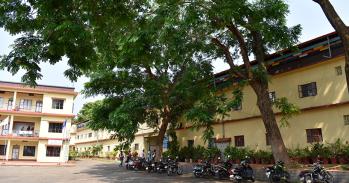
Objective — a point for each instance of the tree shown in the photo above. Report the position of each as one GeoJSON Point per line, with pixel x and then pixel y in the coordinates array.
{"type": "Point", "coordinates": [240, 30]}
{"type": "Point", "coordinates": [143, 61]}
{"type": "Point", "coordinates": [341, 29]}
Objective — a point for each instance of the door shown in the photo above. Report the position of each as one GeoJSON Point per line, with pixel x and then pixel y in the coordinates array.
{"type": "Point", "coordinates": [15, 152]}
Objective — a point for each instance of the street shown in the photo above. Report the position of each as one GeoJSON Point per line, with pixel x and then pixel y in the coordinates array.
{"type": "Point", "coordinates": [91, 171]}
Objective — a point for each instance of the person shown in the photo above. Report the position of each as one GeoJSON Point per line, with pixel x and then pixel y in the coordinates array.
{"type": "Point", "coordinates": [153, 156]}
{"type": "Point", "coordinates": [121, 157]}
{"type": "Point", "coordinates": [142, 154]}
{"type": "Point", "coordinates": [129, 155]}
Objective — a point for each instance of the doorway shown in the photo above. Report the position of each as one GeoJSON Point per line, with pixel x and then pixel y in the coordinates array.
{"type": "Point", "coordinates": [15, 152]}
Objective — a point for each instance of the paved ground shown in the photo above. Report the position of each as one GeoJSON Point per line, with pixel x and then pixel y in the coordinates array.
{"type": "Point", "coordinates": [87, 171]}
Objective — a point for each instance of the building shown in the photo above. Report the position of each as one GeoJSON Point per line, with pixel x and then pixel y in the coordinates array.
{"type": "Point", "coordinates": [313, 78]}
{"type": "Point", "coordinates": [83, 139]}
{"type": "Point", "coordinates": [35, 122]}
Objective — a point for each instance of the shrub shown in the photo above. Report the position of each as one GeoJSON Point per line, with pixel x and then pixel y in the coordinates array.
{"type": "Point", "coordinates": [212, 152]}
{"type": "Point", "coordinates": [321, 150]}
{"type": "Point", "coordinates": [73, 154]}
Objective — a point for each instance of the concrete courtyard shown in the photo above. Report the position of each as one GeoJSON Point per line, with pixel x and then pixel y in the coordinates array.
{"type": "Point", "coordinates": [91, 171]}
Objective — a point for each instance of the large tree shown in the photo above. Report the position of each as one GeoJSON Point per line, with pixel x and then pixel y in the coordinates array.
{"type": "Point", "coordinates": [244, 32]}
{"type": "Point", "coordinates": [340, 27]}
{"type": "Point", "coordinates": [141, 58]}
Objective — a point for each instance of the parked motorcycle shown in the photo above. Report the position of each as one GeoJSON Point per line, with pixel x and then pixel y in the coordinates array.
{"type": "Point", "coordinates": [150, 166]}
{"type": "Point", "coordinates": [173, 167]}
{"type": "Point", "coordinates": [317, 175]}
{"type": "Point", "coordinates": [135, 164]}
{"type": "Point", "coordinates": [203, 170]}
{"type": "Point", "coordinates": [161, 166]}
{"type": "Point", "coordinates": [223, 170]}
{"type": "Point", "coordinates": [277, 173]}
{"type": "Point", "coordinates": [243, 172]}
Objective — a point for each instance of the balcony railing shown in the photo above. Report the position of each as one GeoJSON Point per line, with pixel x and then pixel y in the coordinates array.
{"type": "Point", "coordinates": [21, 133]}
{"type": "Point", "coordinates": [31, 108]}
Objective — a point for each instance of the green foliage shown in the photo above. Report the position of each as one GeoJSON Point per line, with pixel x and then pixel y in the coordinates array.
{"type": "Point", "coordinates": [321, 150]}
{"type": "Point", "coordinates": [73, 154]}
{"type": "Point", "coordinates": [212, 152]}
{"type": "Point", "coordinates": [96, 149]}
{"type": "Point", "coordinates": [266, 155]}
{"type": "Point", "coordinates": [237, 153]}
{"type": "Point", "coordinates": [337, 148]}
{"type": "Point", "coordinates": [287, 109]}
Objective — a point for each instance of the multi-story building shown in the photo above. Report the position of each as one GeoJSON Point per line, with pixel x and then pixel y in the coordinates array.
{"type": "Point", "coordinates": [35, 122]}
{"type": "Point", "coordinates": [83, 139]}
{"type": "Point", "coordinates": [311, 77]}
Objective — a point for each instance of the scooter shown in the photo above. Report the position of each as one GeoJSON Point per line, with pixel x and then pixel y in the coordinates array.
{"type": "Point", "coordinates": [173, 167]}
{"type": "Point", "coordinates": [223, 170]}
{"type": "Point", "coordinates": [277, 173]}
{"type": "Point", "coordinates": [242, 173]}
{"type": "Point", "coordinates": [161, 166]}
{"type": "Point", "coordinates": [203, 170]}
{"type": "Point", "coordinates": [317, 175]}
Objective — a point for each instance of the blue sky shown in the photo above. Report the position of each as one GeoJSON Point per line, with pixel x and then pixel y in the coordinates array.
{"type": "Point", "coordinates": [304, 12]}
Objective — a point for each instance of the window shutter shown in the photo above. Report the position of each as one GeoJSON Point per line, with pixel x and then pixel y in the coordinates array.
{"type": "Point", "coordinates": [308, 131]}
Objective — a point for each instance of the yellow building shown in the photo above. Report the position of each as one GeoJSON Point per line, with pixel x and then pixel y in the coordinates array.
{"type": "Point", "coordinates": [83, 139]}
{"type": "Point", "coordinates": [313, 78]}
{"type": "Point", "coordinates": [35, 122]}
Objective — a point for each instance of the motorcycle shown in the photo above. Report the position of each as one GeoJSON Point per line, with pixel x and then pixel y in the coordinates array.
{"type": "Point", "coordinates": [243, 172]}
{"type": "Point", "coordinates": [161, 166]}
{"type": "Point", "coordinates": [317, 175]}
{"type": "Point", "coordinates": [150, 166]}
{"type": "Point", "coordinates": [203, 170]}
{"type": "Point", "coordinates": [277, 173]}
{"type": "Point", "coordinates": [223, 170]}
{"type": "Point", "coordinates": [173, 167]}
{"type": "Point", "coordinates": [134, 164]}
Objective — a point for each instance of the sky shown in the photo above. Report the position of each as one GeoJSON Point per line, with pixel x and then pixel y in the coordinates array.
{"type": "Point", "coordinates": [304, 12]}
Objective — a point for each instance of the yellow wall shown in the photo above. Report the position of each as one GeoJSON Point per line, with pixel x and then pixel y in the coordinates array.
{"type": "Point", "coordinates": [331, 89]}
{"type": "Point", "coordinates": [6, 96]}
{"type": "Point", "coordinates": [45, 125]}
{"type": "Point", "coordinates": [21, 147]}
{"type": "Point", "coordinates": [42, 153]}
{"type": "Point", "coordinates": [67, 107]}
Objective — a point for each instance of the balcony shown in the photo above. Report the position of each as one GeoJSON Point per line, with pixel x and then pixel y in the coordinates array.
{"type": "Point", "coordinates": [24, 102]}
{"type": "Point", "coordinates": [19, 133]}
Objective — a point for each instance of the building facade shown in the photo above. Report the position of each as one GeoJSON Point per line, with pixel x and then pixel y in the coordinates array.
{"type": "Point", "coordinates": [35, 122]}
{"type": "Point", "coordinates": [83, 139]}
{"type": "Point", "coordinates": [313, 78]}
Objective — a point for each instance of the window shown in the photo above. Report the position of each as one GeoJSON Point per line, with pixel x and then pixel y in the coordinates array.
{"type": "Point", "coordinates": [239, 141]}
{"type": "Point", "coordinates": [237, 107]}
{"type": "Point", "coordinates": [89, 135]}
{"type": "Point", "coordinates": [55, 127]}
{"type": "Point", "coordinates": [29, 151]}
{"type": "Point", "coordinates": [307, 90]}
{"type": "Point", "coordinates": [53, 151]}
{"type": "Point", "coordinates": [108, 148]}
{"type": "Point", "coordinates": [57, 103]}
{"type": "Point", "coordinates": [190, 143]}
{"type": "Point", "coordinates": [1, 102]}
{"type": "Point", "coordinates": [267, 139]}
{"type": "Point", "coordinates": [346, 119]}
{"type": "Point", "coordinates": [3, 149]}
{"type": "Point", "coordinates": [314, 135]}
{"type": "Point", "coordinates": [38, 107]}
{"type": "Point", "coordinates": [25, 104]}
{"type": "Point", "coordinates": [338, 70]}
{"type": "Point", "coordinates": [136, 147]}
{"type": "Point", "coordinates": [211, 142]}
{"type": "Point", "coordinates": [272, 96]}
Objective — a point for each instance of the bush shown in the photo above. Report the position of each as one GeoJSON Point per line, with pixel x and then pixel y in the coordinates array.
{"type": "Point", "coordinates": [198, 153]}
{"type": "Point", "coordinates": [73, 154]}
{"type": "Point", "coordinates": [321, 150]}
{"type": "Point", "coordinates": [212, 152]}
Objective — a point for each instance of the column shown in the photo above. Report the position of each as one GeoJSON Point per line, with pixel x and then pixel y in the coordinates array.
{"type": "Point", "coordinates": [11, 124]}
{"type": "Point", "coordinates": [14, 100]}
{"type": "Point", "coordinates": [8, 150]}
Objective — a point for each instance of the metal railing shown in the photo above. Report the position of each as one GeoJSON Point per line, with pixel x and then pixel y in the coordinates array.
{"type": "Point", "coordinates": [31, 108]}
{"type": "Point", "coordinates": [20, 133]}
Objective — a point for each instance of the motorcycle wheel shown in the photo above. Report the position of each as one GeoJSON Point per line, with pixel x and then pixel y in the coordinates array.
{"type": "Point", "coordinates": [169, 172]}
{"type": "Point", "coordinates": [179, 171]}
{"type": "Point", "coordinates": [329, 178]}
{"type": "Point", "coordinates": [196, 175]}
{"type": "Point", "coordinates": [308, 179]}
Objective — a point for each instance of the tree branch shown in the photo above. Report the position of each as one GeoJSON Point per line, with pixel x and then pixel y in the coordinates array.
{"type": "Point", "coordinates": [333, 17]}
{"type": "Point", "coordinates": [243, 48]}
{"type": "Point", "coordinates": [149, 72]}
{"type": "Point", "coordinates": [228, 56]}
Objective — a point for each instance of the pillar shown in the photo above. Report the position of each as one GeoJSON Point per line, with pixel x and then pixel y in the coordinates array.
{"type": "Point", "coordinates": [8, 150]}
{"type": "Point", "coordinates": [14, 103]}
{"type": "Point", "coordinates": [11, 124]}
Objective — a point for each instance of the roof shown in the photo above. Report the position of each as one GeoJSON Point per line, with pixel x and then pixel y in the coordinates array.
{"type": "Point", "coordinates": [38, 89]}
{"type": "Point", "coordinates": [313, 51]}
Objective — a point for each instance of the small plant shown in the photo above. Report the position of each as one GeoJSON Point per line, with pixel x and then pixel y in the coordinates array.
{"type": "Point", "coordinates": [73, 154]}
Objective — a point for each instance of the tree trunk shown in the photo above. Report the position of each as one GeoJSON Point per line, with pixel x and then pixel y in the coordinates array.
{"type": "Point", "coordinates": [273, 133]}
{"type": "Point", "coordinates": [342, 30]}
{"type": "Point", "coordinates": [160, 137]}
